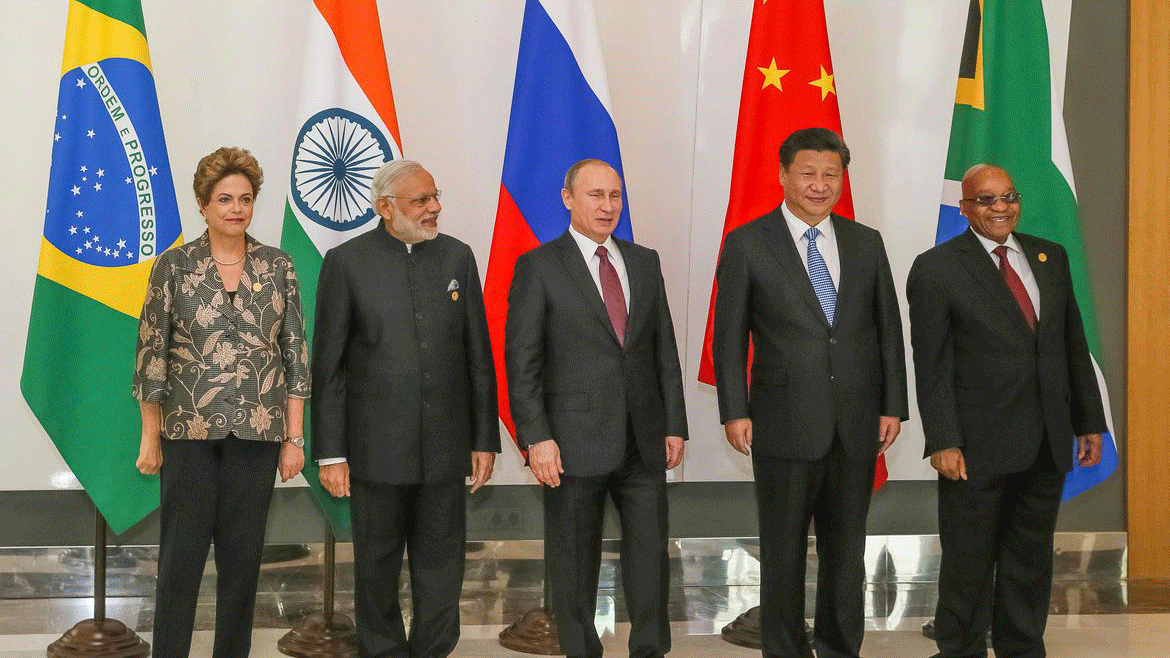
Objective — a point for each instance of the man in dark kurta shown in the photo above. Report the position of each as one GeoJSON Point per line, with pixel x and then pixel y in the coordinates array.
{"type": "Point", "coordinates": [406, 408]}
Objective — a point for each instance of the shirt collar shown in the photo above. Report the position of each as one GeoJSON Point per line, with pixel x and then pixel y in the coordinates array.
{"type": "Point", "coordinates": [990, 245]}
{"type": "Point", "coordinates": [798, 226]}
{"type": "Point", "coordinates": [589, 248]}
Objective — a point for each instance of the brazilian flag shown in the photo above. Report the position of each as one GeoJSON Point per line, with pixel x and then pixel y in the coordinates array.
{"type": "Point", "coordinates": [111, 211]}
{"type": "Point", "coordinates": [1008, 112]}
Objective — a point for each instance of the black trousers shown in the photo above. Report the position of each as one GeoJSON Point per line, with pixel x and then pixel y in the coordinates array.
{"type": "Point", "coordinates": [834, 490]}
{"type": "Point", "coordinates": [573, 515]}
{"type": "Point", "coordinates": [212, 491]}
{"type": "Point", "coordinates": [996, 534]}
{"type": "Point", "coordinates": [429, 522]}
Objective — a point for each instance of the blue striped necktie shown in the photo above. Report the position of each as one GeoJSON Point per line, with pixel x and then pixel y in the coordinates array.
{"type": "Point", "coordinates": [819, 273]}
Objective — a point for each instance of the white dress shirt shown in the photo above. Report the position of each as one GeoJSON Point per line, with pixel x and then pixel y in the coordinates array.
{"type": "Point", "coordinates": [1019, 263]}
{"type": "Point", "coordinates": [593, 262]}
{"type": "Point", "coordinates": [826, 242]}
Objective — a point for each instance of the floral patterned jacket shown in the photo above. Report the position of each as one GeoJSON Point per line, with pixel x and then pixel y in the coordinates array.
{"type": "Point", "coordinates": [216, 366]}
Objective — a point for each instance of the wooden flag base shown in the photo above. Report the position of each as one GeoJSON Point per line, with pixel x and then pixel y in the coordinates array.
{"type": "Point", "coordinates": [99, 637]}
{"type": "Point", "coordinates": [325, 634]}
{"type": "Point", "coordinates": [321, 635]}
{"type": "Point", "coordinates": [535, 632]}
{"type": "Point", "coordinates": [108, 638]}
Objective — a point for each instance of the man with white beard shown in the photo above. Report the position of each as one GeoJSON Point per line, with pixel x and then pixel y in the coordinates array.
{"type": "Point", "coordinates": [406, 408]}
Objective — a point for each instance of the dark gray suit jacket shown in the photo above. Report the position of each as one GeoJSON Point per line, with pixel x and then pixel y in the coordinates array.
{"type": "Point", "coordinates": [809, 380]}
{"type": "Point", "coordinates": [568, 377]}
{"type": "Point", "coordinates": [407, 382]}
{"type": "Point", "coordinates": [986, 383]}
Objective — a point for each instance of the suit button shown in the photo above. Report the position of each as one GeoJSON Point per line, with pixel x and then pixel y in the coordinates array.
{"type": "Point", "coordinates": [418, 316]}
{"type": "Point", "coordinates": [832, 341]}
{"type": "Point", "coordinates": [422, 345]}
{"type": "Point", "coordinates": [832, 378]}
{"type": "Point", "coordinates": [426, 405]}
{"type": "Point", "coordinates": [426, 375]}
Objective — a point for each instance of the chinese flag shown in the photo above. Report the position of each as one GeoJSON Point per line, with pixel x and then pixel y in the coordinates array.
{"type": "Point", "coordinates": [788, 84]}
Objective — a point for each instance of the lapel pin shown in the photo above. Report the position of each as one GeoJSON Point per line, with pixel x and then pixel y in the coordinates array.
{"type": "Point", "coordinates": [256, 287]}
{"type": "Point", "coordinates": [1043, 257]}
{"type": "Point", "coordinates": [454, 295]}
{"type": "Point", "coordinates": [454, 285]}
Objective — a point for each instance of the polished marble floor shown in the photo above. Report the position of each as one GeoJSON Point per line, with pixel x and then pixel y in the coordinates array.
{"type": "Point", "coordinates": [1096, 610]}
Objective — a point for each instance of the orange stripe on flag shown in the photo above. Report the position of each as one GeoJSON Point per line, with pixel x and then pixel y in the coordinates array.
{"type": "Point", "coordinates": [359, 36]}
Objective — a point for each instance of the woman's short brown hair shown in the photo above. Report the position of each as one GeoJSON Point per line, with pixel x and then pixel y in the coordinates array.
{"type": "Point", "coordinates": [224, 162]}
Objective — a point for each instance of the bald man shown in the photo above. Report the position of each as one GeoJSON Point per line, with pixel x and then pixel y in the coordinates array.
{"type": "Point", "coordinates": [1007, 395]}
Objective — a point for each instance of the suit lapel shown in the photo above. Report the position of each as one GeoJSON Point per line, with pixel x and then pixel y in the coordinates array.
{"type": "Point", "coordinates": [848, 254]}
{"type": "Point", "coordinates": [641, 278]}
{"type": "Point", "coordinates": [199, 261]}
{"type": "Point", "coordinates": [248, 278]}
{"type": "Point", "coordinates": [579, 273]}
{"type": "Point", "coordinates": [791, 263]}
{"type": "Point", "coordinates": [1046, 281]}
{"type": "Point", "coordinates": [982, 267]}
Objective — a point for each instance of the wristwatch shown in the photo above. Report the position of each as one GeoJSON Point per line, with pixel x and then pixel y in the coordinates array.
{"type": "Point", "coordinates": [298, 441]}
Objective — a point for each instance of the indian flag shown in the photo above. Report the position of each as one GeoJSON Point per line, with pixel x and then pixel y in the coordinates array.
{"type": "Point", "coordinates": [349, 129]}
{"type": "Point", "coordinates": [111, 211]}
{"type": "Point", "coordinates": [1009, 112]}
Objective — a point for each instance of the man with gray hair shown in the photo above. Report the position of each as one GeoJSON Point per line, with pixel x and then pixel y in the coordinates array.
{"type": "Point", "coordinates": [405, 409]}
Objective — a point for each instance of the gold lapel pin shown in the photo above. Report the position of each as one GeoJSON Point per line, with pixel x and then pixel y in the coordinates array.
{"type": "Point", "coordinates": [1043, 257]}
{"type": "Point", "coordinates": [454, 295]}
{"type": "Point", "coordinates": [256, 287]}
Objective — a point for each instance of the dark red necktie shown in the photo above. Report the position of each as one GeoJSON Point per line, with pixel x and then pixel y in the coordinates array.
{"type": "Point", "coordinates": [1016, 286]}
{"type": "Point", "coordinates": [611, 292]}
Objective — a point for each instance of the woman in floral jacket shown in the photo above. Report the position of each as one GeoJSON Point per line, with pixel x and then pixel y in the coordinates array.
{"type": "Point", "coordinates": [221, 375]}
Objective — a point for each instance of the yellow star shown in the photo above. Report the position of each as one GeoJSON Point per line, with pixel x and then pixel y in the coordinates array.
{"type": "Point", "coordinates": [772, 75]}
{"type": "Point", "coordinates": [825, 82]}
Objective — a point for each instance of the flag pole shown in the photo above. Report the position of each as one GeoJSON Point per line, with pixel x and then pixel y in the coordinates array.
{"type": "Point", "coordinates": [325, 634]}
{"type": "Point", "coordinates": [535, 631]}
{"type": "Point", "coordinates": [99, 637]}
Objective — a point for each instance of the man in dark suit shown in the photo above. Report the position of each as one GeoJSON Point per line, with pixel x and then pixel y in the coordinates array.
{"type": "Point", "coordinates": [1005, 383]}
{"type": "Point", "coordinates": [814, 294]}
{"type": "Point", "coordinates": [406, 408]}
{"type": "Point", "coordinates": [596, 394]}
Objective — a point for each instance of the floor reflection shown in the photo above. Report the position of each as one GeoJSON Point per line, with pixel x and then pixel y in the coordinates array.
{"type": "Point", "coordinates": [43, 590]}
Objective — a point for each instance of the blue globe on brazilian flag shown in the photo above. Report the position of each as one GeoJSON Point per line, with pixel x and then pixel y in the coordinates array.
{"type": "Point", "coordinates": [111, 210]}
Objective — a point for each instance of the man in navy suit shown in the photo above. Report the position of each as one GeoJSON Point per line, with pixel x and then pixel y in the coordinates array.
{"type": "Point", "coordinates": [1005, 386]}
{"type": "Point", "coordinates": [814, 294]}
{"type": "Point", "coordinates": [596, 394]}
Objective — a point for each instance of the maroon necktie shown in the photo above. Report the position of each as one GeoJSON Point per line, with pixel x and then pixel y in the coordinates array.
{"type": "Point", "coordinates": [611, 292]}
{"type": "Point", "coordinates": [1016, 286]}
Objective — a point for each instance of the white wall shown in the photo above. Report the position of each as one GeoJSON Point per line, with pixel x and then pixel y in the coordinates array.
{"type": "Point", "coordinates": [226, 73]}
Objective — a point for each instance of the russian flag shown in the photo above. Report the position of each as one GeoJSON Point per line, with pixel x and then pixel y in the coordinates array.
{"type": "Point", "coordinates": [560, 115]}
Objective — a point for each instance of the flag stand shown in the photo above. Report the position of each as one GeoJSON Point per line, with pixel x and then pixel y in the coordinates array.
{"type": "Point", "coordinates": [536, 630]}
{"type": "Point", "coordinates": [99, 637]}
{"type": "Point", "coordinates": [325, 634]}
